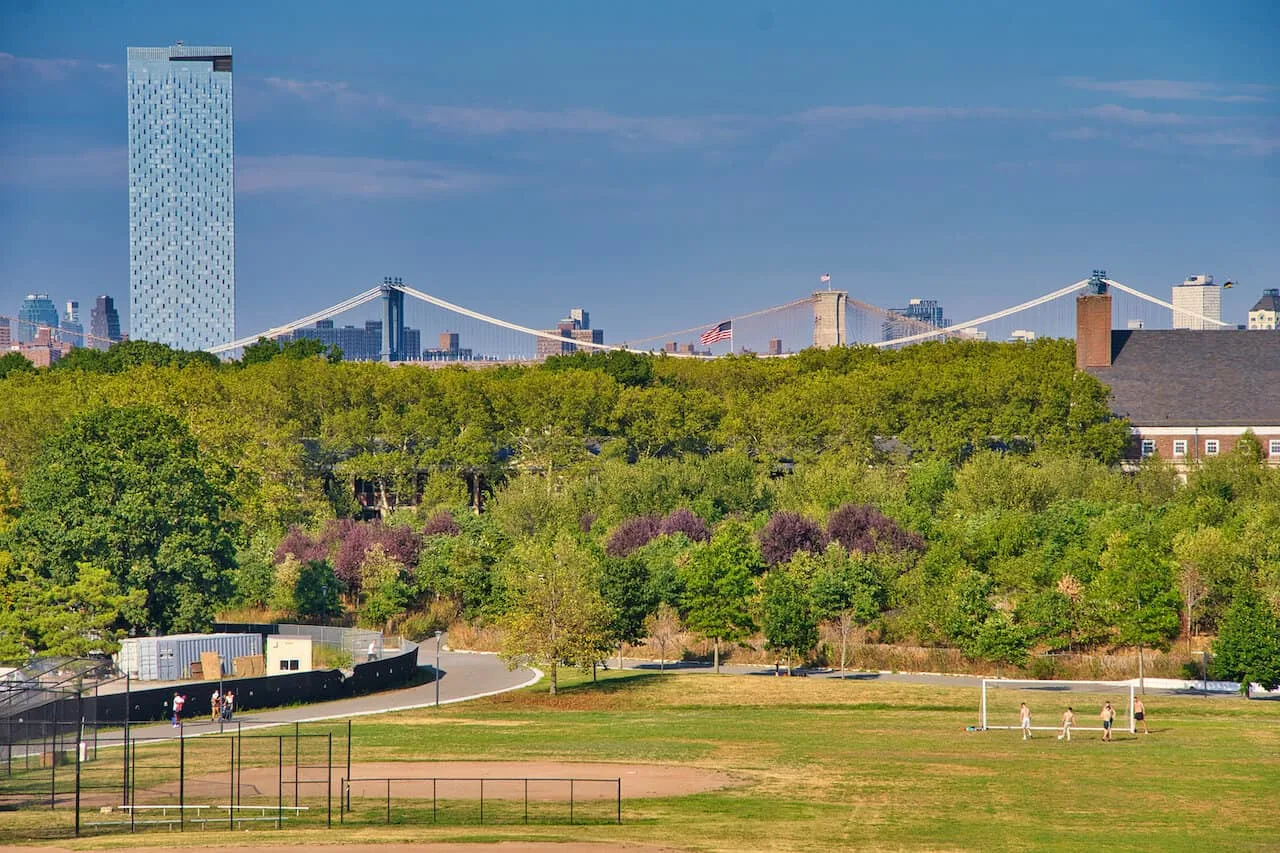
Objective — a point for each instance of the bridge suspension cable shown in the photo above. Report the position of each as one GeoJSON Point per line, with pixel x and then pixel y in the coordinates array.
{"type": "Point", "coordinates": [345, 305]}
{"type": "Point", "coordinates": [678, 332]}
{"type": "Point", "coordinates": [1156, 301]}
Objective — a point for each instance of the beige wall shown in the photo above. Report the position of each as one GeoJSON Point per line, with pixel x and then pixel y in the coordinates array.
{"type": "Point", "coordinates": [288, 649]}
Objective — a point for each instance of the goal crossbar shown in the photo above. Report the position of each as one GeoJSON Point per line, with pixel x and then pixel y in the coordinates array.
{"type": "Point", "coordinates": [1124, 714]}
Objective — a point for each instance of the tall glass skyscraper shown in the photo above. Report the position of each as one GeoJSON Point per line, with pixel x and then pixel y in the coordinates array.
{"type": "Point", "coordinates": [37, 310]}
{"type": "Point", "coordinates": [182, 275]}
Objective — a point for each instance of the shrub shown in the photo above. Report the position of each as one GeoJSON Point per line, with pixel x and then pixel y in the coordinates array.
{"type": "Point", "coordinates": [788, 533]}
{"type": "Point", "coordinates": [441, 524]}
{"type": "Point", "coordinates": [863, 528]}
{"type": "Point", "coordinates": [686, 522]}
{"type": "Point", "coordinates": [631, 535]}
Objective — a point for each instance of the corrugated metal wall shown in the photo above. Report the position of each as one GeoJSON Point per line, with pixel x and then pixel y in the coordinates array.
{"type": "Point", "coordinates": [170, 658]}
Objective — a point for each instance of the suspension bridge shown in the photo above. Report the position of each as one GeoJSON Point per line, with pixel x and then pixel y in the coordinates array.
{"type": "Point", "coordinates": [395, 322]}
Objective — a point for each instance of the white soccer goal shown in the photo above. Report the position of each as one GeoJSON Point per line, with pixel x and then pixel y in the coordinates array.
{"type": "Point", "coordinates": [1002, 698]}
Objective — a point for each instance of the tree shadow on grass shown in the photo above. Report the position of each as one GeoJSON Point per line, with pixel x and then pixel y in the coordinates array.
{"type": "Point", "coordinates": [622, 682]}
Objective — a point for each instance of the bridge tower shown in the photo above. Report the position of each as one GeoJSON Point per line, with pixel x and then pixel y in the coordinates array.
{"type": "Point", "coordinates": [392, 320]}
{"type": "Point", "coordinates": [829, 308]}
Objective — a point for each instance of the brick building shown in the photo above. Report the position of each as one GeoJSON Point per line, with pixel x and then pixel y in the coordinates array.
{"type": "Point", "coordinates": [1188, 393]}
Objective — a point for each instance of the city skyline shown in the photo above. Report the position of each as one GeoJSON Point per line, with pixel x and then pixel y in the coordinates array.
{"type": "Point", "coordinates": [698, 163]}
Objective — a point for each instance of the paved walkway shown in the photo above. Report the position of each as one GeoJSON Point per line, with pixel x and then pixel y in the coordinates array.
{"type": "Point", "coordinates": [974, 681]}
{"type": "Point", "coordinates": [465, 676]}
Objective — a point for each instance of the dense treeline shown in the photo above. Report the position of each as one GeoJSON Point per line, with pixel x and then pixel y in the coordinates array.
{"type": "Point", "coordinates": [959, 493]}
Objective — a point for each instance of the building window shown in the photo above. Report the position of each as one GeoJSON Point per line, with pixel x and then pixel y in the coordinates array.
{"type": "Point", "coordinates": [1274, 448]}
{"type": "Point", "coordinates": [1180, 447]}
{"type": "Point", "coordinates": [288, 666]}
{"type": "Point", "coordinates": [1211, 447]}
{"type": "Point", "coordinates": [1148, 447]}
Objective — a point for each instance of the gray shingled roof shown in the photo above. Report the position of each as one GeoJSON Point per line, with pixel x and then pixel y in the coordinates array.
{"type": "Point", "coordinates": [1268, 302]}
{"type": "Point", "coordinates": [1188, 377]}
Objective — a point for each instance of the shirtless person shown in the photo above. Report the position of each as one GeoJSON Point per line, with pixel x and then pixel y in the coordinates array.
{"type": "Point", "coordinates": [1140, 715]}
{"type": "Point", "coordinates": [1108, 716]}
{"type": "Point", "coordinates": [1025, 716]}
{"type": "Point", "coordinates": [1068, 720]}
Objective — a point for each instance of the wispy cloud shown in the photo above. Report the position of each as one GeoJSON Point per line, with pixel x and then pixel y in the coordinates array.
{"type": "Point", "coordinates": [674, 131]}
{"type": "Point", "coordinates": [365, 177]}
{"type": "Point", "coordinates": [1173, 90]}
{"type": "Point", "coordinates": [1114, 113]}
{"type": "Point", "coordinates": [882, 113]}
{"type": "Point", "coordinates": [48, 70]}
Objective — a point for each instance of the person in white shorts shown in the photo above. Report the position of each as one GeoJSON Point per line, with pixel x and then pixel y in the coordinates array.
{"type": "Point", "coordinates": [1025, 715]}
{"type": "Point", "coordinates": [1068, 720]}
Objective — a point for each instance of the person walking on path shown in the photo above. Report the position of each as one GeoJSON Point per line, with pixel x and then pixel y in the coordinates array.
{"type": "Point", "coordinates": [228, 705]}
{"type": "Point", "coordinates": [1025, 715]}
{"type": "Point", "coordinates": [215, 707]}
{"type": "Point", "coordinates": [1140, 715]}
{"type": "Point", "coordinates": [1068, 720]}
{"type": "Point", "coordinates": [373, 651]}
{"type": "Point", "coordinates": [1108, 716]}
{"type": "Point", "coordinates": [178, 701]}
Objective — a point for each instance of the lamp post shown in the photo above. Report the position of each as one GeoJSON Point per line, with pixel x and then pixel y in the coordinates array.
{"type": "Point", "coordinates": [438, 633]}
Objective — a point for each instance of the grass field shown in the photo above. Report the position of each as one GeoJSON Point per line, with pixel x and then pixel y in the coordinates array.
{"type": "Point", "coordinates": [829, 765]}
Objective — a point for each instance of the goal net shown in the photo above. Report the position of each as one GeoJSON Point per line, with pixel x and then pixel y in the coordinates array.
{"type": "Point", "coordinates": [1002, 701]}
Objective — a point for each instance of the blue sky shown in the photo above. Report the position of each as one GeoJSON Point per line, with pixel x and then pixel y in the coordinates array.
{"type": "Point", "coordinates": [670, 163]}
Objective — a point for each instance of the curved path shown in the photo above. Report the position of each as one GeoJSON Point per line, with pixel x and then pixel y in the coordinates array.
{"type": "Point", "coordinates": [464, 676]}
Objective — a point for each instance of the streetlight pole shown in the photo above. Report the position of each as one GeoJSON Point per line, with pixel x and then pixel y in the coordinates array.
{"type": "Point", "coordinates": [438, 633]}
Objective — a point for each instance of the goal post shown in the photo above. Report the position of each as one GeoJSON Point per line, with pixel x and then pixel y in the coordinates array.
{"type": "Point", "coordinates": [1002, 698]}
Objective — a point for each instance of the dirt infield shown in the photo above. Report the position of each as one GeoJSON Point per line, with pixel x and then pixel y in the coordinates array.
{"type": "Point", "coordinates": [548, 780]}
{"type": "Point", "coordinates": [425, 847]}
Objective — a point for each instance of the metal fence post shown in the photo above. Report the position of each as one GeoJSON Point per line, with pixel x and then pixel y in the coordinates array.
{"type": "Point", "coordinates": [570, 802]}
{"type": "Point", "coordinates": [53, 763]}
{"type": "Point", "coordinates": [434, 786]}
{"type": "Point", "coordinates": [231, 793]}
{"type": "Point", "coordinates": [295, 764]}
{"type": "Point", "coordinates": [388, 801]}
{"type": "Point", "coordinates": [482, 801]}
{"type": "Point", "coordinates": [79, 740]}
{"type": "Point", "coordinates": [526, 799]}
{"type": "Point", "coordinates": [182, 780]}
{"type": "Point", "coordinates": [279, 781]}
{"type": "Point", "coordinates": [328, 785]}
{"type": "Point", "coordinates": [619, 800]}
{"type": "Point", "coordinates": [342, 800]}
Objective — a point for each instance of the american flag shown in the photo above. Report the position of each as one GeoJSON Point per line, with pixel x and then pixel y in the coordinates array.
{"type": "Point", "coordinates": [825, 278]}
{"type": "Point", "coordinates": [716, 334]}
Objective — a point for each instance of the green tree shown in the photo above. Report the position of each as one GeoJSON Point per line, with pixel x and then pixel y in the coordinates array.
{"type": "Point", "coordinates": [718, 584]}
{"type": "Point", "coordinates": [383, 589]}
{"type": "Point", "coordinates": [556, 614]}
{"type": "Point", "coordinates": [15, 362]}
{"type": "Point", "coordinates": [846, 590]}
{"type": "Point", "coordinates": [317, 593]}
{"type": "Point", "coordinates": [789, 622]}
{"type": "Point", "coordinates": [1248, 645]}
{"type": "Point", "coordinates": [124, 489]}
{"type": "Point", "coordinates": [73, 620]}
{"type": "Point", "coordinates": [1137, 588]}
{"type": "Point", "coordinates": [625, 587]}
{"type": "Point", "coordinates": [663, 627]}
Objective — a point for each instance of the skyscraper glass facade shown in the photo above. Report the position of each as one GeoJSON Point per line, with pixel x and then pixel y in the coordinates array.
{"type": "Point", "coordinates": [104, 323]}
{"type": "Point", "coordinates": [37, 310]}
{"type": "Point", "coordinates": [181, 196]}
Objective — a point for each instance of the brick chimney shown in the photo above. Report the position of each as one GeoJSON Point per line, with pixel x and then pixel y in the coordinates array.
{"type": "Point", "coordinates": [1093, 330]}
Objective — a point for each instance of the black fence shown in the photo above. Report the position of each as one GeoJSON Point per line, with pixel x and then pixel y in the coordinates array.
{"type": "Point", "coordinates": [462, 799]}
{"type": "Point", "coordinates": [142, 777]}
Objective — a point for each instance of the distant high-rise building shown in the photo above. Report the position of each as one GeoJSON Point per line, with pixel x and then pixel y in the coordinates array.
{"type": "Point", "coordinates": [909, 319]}
{"type": "Point", "coordinates": [775, 346]}
{"type": "Point", "coordinates": [104, 323]}
{"type": "Point", "coordinates": [37, 310]}
{"type": "Point", "coordinates": [1195, 302]}
{"type": "Point", "coordinates": [1266, 314]}
{"type": "Point", "coordinates": [5, 330]}
{"type": "Point", "coordinates": [73, 329]}
{"type": "Point", "coordinates": [575, 327]}
{"type": "Point", "coordinates": [181, 196]}
{"type": "Point", "coordinates": [361, 344]}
